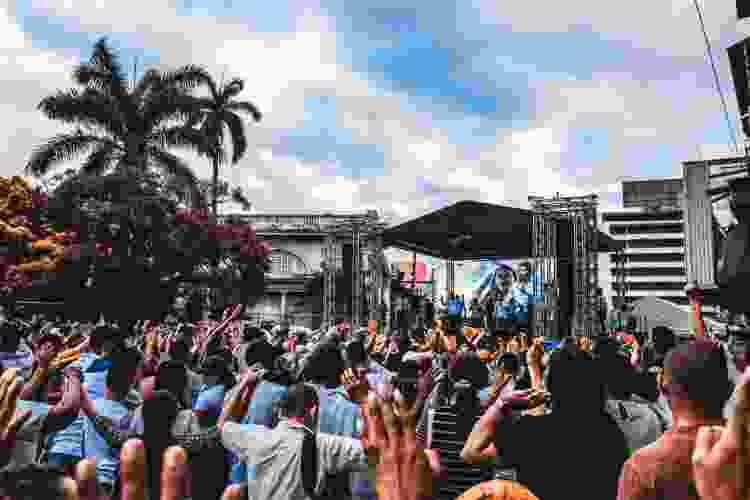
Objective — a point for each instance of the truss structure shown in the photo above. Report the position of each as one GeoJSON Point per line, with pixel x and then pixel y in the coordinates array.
{"type": "Point", "coordinates": [582, 212]}
{"type": "Point", "coordinates": [331, 265]}
{"type": "Point", "coordinates": [363, 232]}
{"type": "Point", "coordinates": [544, 262]}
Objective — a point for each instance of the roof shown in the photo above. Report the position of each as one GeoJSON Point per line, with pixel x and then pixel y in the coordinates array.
{"type": "Point", "coordinates": [471, 230]}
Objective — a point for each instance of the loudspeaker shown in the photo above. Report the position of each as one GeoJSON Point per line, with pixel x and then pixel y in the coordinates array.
{"type": "Point", "coordinates": [566, 298]}
{"type": "Point", "coordinates": [345, 292]}
{"type": "Point", "coordinates": [743, 9]}
{"type": "Point", "coordinates": [733, 267]}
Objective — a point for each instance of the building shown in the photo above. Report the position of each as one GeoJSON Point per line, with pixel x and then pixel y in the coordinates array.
{"type": "Point", "coordinates": [651, 227]}
{"type": "Point", "coordinates": [301, 245]}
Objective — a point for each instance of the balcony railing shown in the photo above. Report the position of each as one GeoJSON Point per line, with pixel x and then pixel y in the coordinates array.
{"type": "Point", "coordinates": [295, 223]}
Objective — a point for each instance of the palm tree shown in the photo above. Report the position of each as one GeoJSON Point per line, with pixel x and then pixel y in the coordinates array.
{"type": "Point", "coordinates": [122, 128]}
{"type": "Point", "coordinates": [220, 111]}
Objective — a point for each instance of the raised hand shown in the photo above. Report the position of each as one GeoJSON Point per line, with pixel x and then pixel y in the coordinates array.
{"type": "Point", "coordinates": [356, 385]}
{"type": "Point", "coordinates": [403, 470]}
{"type": "Point", "coordinates": [721, 458]}
{"type": "Point", "coordinates": [174, 475]}
{"type": "Point", "coordinates": [535, 354]}
{"type": "Point", "coordinates": [10, 421]}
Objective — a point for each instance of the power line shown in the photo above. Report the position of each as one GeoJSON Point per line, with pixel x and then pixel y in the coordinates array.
{"type": "Point", "coordinates": [732, 135]}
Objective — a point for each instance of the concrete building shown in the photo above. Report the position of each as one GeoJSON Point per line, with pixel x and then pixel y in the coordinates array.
{"type": "Point", "coordinates": [652, 226]}
{"type": "Point", "coordinates": [300, 243]}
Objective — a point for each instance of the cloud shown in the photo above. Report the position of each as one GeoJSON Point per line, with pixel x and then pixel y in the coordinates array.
{"type": "Point", "coordinates": [651, 109]}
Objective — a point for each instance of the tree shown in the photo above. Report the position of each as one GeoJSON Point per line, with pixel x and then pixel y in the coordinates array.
{"type": "Point", "coordinates": [123, 129]}
{"type": "Point", "coordinates": [224, 193]}
{"type": "Point", "coordinates": [220, 112]}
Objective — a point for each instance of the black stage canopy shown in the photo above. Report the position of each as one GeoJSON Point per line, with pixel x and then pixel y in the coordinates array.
{"type": "Point", "coordinates": [470, 230]}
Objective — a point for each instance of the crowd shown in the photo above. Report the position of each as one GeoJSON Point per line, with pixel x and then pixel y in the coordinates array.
{"type": "Point", "coordinates": [206, 411]}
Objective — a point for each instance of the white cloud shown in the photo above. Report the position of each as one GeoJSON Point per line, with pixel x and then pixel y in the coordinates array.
{"type": "Point", "coordinates": [669, 26]}
{"type": "Point", "coordinates": [281, 69]}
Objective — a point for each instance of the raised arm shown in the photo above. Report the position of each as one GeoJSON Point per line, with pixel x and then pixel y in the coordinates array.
{"type": "Point", "coordinates": [115, 433]}
{"type": "Point", "coordinates": [68, 407]}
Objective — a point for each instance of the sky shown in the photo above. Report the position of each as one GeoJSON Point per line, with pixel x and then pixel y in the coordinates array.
{"type": "Point", "coordinates": [406, 107]}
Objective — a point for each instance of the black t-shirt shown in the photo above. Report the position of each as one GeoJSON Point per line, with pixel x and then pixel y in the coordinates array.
{"type": "Point", "coordinates": [562, 457]}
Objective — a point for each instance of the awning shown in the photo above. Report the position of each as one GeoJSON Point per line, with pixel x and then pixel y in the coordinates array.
{"type": "Point", "coordinates": [470, 230]}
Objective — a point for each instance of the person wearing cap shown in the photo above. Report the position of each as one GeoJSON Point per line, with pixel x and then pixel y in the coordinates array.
{"type": "Point", "coordinates": [696, 383]}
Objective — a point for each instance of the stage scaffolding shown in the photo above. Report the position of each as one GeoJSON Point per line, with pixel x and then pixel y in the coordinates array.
{"type": "Point", "coordinates": [364, 234]}
{"type": "Point", "coordinates": [582, 212]}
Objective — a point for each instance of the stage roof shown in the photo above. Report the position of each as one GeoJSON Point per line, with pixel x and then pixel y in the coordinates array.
{"type": "Point", "coordinates": [470, 230]}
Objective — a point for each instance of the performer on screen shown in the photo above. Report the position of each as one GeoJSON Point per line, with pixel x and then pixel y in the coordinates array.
{"type": "Point", "coordinates": [499, 302]}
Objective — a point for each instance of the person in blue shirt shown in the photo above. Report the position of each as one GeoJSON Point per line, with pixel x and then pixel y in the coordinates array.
{"type": "Point", "coordinates": [217, 380]}
{"type": "Point", "coordinates": [120, 379]}
{"type": "Point", "coordinates": [65, 448]}
{"type": "Point", "coordinates": [527, 291]}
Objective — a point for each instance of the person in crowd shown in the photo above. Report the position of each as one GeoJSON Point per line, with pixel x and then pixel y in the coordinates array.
{"type": "Point", "coordinates": [65, 448]}
{"type": "Point", "coordinates": [120, 379]}
{"type": "Point", "coordinates": [475, 313]}
{"type": "Point", "coordinates": [293, 459]}
{"type": "Point", "coordinates": [641, 419]}
{"type": "Point", "coordinates": [217, 380]}
{"type": "Point", "coordinates": [338, 415]}
{"type": "Point", "coordinates": [162, 423]}
{"type": "Point", "coordinates": [48, 346]}
{"type": "Point", "coordinates": [264, 406]}
{"type": "Point", "coordinates": [455, 416]}
{"type": "Point", "coordinates": [697, 385]}
{"type": "Point", "coordinates": [507, 369]}
{"type": "Point", "coordinates": [14, 353]}
{"type": "Point", "coordinates": [577, 402]}
{"type": "Point", "coordinates": [652, 355]}
{"type": "Point", "coordinates": [40, 418]}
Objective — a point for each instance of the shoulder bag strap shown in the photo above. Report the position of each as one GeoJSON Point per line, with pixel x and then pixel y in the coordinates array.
{"type": "Point", "coordinates": [310, 464]}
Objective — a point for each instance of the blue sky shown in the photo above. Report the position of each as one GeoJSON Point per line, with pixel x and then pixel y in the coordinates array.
{"type": "Point", "coordinates": [407, 106]}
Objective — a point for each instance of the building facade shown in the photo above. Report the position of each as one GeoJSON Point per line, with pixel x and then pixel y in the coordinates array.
{"type": "Point", "coordinates": [651, 225]}
{"type": "Point", "coordinates": [301, 245]}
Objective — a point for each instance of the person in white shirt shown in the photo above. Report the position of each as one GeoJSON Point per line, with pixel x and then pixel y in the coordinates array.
{"type": "Point", "coordinates": [292, 460]}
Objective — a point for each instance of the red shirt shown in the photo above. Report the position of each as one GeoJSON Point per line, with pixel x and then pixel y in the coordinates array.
{"type": "Point", "coordinates": [662, 470]}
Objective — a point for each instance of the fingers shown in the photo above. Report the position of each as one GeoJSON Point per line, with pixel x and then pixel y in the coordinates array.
{"type": "Point", "coordinates": [18, 420]}
{"type": "Point", "coordinates": [407, 411]}
{"type": "Point", "coordinates": [173, 473]}
{"type": "Point", "coordinates": [86, 480]}
{"type": "Point", "coordinates": [9, 403]}
{"type": "Point", "coordinates": [390, 420]}
{"type": "Point", "coordinates": [705, 443]}
{"type": "Point", "coordinates": [375, 427]}
{"type": "Point", "coordinates": [133, 470]}
{"type": "Point", "coordinates": [70, 489]}
{"type": "Point", "coordinates": [233, 492]}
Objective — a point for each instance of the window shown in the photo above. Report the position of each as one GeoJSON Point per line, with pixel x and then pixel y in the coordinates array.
{"type": "Point", "coordinates": [285, 263]}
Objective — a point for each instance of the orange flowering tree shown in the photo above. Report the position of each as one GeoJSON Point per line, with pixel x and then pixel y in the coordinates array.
{"type": "Point", "coordinates": [126, 236]}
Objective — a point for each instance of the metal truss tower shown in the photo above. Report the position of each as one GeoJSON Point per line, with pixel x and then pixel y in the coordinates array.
{"type": "Point", "coordinates": [544, 261]}
{"type": "Point", "coordinates": [330, 269]}
{"type": "Point", "coordinates": [362, 230]}
{"type": "Point", "coordinates": [582, 213]}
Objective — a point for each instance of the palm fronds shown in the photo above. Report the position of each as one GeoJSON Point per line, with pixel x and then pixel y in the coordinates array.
{"type": "Point", "coordinates": [63, 147]}
{"type": "Point", "coordinates": [237, 133]}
